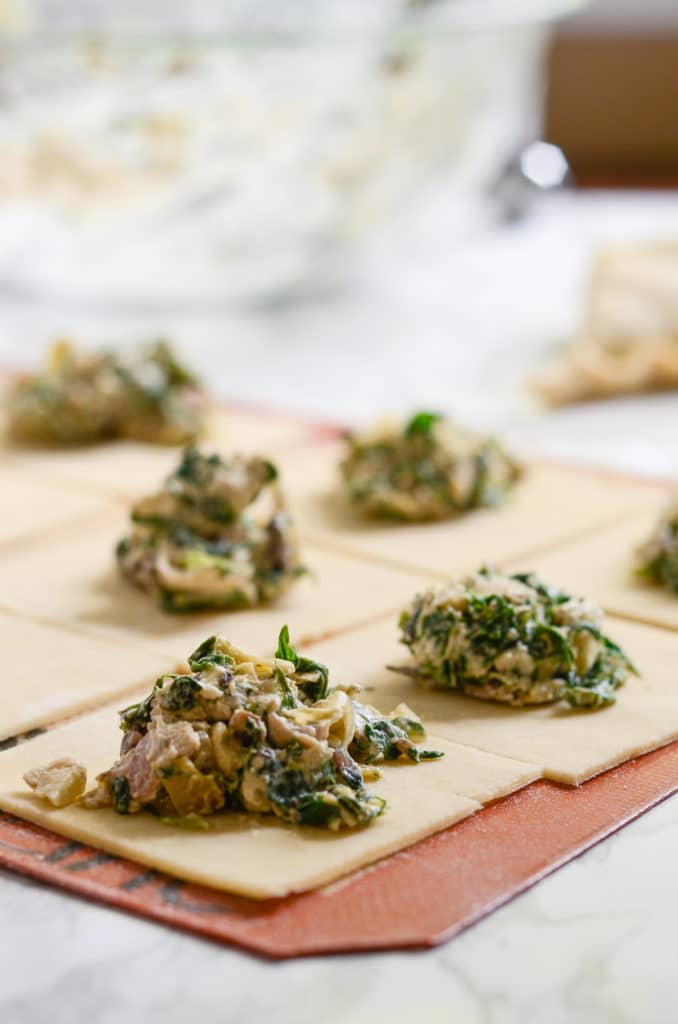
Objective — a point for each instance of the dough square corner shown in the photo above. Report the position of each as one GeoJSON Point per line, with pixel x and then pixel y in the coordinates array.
{"type": "Point", "coordinates": [602, 566]}
{"type": "Point", "coordinates": [570, 745]}
{"type": "Point", "coordinates": [74, 578]}
{"type": "Point", "coordinates": [33, 504]}
{"type": "Point", "coordinates": [52, 672]}
{"type": "Point", "coordinates": [243, 428]}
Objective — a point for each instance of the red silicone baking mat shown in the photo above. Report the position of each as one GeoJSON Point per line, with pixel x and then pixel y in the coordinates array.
{"type": "Point", "coordinates": [417, 898]}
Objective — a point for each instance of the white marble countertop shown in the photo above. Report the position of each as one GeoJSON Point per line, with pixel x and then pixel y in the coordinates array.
{"type": "Point", "coordinates": [457, 331]}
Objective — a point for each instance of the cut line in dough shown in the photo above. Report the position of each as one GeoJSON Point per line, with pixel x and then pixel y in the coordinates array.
{"type": "Point", "coordinates": [133, 469]}
{"type": "Point", "coordinates": [73, 578]}
{"type": "Point", "coordinates": [31, 507]}
{"type": "Point", "coordinates": [550, 506]}
{"type": "Point", "coordinates": [602, 566]}
{"type": "Point", "coordinates": [50, 673]}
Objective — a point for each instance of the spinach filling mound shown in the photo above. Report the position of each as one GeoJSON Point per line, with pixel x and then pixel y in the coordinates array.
{"type": "Point", "coordinates": [513, 639]}
{"type": "Point", "coordinates": [243, 734]}
{"type": "Point", "coordinates": [216, 536]}
{"type": "Point", "coordinates": [426, 470]}
{"type": "Point", "coordinates": [658, 557]}
{"type": "Point", "coordinates": [83, 397]}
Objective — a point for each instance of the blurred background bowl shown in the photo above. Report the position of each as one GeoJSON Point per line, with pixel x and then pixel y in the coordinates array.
{"type": "Point", "coordinates": [172, 156]}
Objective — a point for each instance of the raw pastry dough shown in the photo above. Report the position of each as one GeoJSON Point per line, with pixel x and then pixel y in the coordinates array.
{"type": "Point", "coordinates": [571, 745]}
{"type": "Point", "coordinates": [119, 468]}
{"type": "Point", "coordinates": [258, 857]}
{"type": "Point", "coordinates": [74, 579]}
{"type": "Point", "coordinates": [51, 672]}
{"type": "Point", "coordinates": [130, 468]}
{"type": "Point", "coordinates": [32, 505]}
{"type": "Point", "coordinates": [602, 566]}
{"type": "Point", "coordinates": [480, 775]}
{"type": "Point", "coordinates": [547, 507]}
{"type": "Point", "coordinates": [254, 431]}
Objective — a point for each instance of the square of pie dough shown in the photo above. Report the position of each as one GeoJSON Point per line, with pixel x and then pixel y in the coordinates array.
{"type": "Point", "coordinates": [571, 745]}
{"type": "Point", "coordinates": [132, 468]}
{"type": "Point", "coordinates": [74, 578]}
{"type": "Point", "coordinates": [549, 506]}
{"type": "Point", "coordinates": [50, 672]}
{"type": "Point", "coordinates": [31, 505]}
{"type": "Point", "coordinates": [255, 856]}
{"type": "Point", "coordinates": [478, 774]}
{"type": "Point", "coordinates": [601, 565]}
{"type": "Point", "coordinates": [116, 468]}
{"type": "Point", "coordinates": [243, 429]}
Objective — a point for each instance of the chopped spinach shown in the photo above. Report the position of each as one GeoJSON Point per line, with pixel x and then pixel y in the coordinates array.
{"type": "Point", "coordinates": [421, 423]}
{"type": "Point", "coordinates": [275, 739]}
{"type": "Point", "coordinates": [82, 397]}
{"type": "Point", "coordinates": [513, 639]}
{"type": "Point", "coordinates": [137, 716]}
{"type": "Point", "coordinates": [181, 694]}
{"type": "Point", "coordinates": [425, 470]}
{"type": "Point", "coordinates": [377, 738]}
{"type": "Point", "coordinates": [657, 558]}
{"type": "Point", "coordinates": [121, 794]}
{"type": "Point", "coordinates": [314, 688]}
{"type": "Point", "coordinates": [204, 542]}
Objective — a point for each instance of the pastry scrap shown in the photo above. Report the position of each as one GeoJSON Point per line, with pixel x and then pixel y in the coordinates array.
{"type": "Point", "coordinates": [515, 640]}
{"type": "Point", "coordinates": [216, 536]}
{"type": "Point", "coordinates": [238, 733]}
{"type": "Point", "coordinates": [84, 397]}
{"type": "Point", "coordinates": [658, 556]}
{"type": "Point", "coordinates": [594, 367]}
{"type": "Point", "coordinates": [427, 469]}
{"type": "Point", "coordinates": [629, 339]}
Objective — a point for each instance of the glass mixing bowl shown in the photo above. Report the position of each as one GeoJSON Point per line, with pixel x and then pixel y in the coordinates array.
{"type": "Point", "coordinates": [239, 152]}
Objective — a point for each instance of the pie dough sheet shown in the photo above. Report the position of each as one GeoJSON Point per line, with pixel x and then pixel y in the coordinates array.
{"type": "Point", "coordinates": [602, 567]}
{"type": "Point", "coordinates": [254, 856]}
{"type": "Point", "coordinates": [548, 506]}
{"type": "Point", "coordinates": [133, 469]}
{"type": "Point", "coordinates": [570, 745]}
{"type": "Point", "coordinates": [74, 578]}
{"type": "Point", "coordinates": [30, 505]}
{"type": "Point", "coordinates": [50, 672]}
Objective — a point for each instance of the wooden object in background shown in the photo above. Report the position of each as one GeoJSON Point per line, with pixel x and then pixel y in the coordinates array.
{"type": "Point", "coordinates": [612, 106]}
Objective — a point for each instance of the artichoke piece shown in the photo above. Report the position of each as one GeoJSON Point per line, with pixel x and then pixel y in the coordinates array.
{"type": "Point", "coordinates": [190, 791]}
{"type": "Point", "coordinates": [60, 783]}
